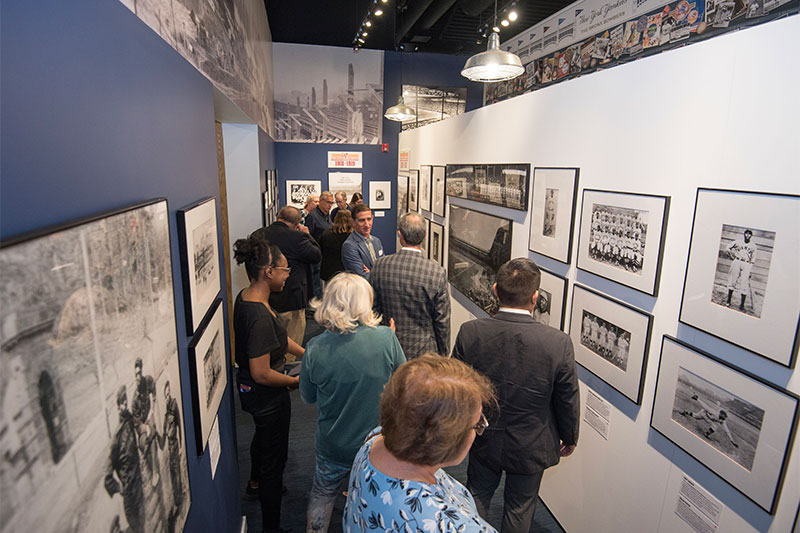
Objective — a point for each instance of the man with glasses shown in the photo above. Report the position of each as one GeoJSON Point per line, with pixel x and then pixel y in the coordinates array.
{"type": "Point", "coordinates": [317, 221]}
{"type": "Point", "coordinates": [532, 367]}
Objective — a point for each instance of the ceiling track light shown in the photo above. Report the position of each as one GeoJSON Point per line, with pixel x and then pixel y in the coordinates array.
{"type": "Point", "coordinates": [378, 12]}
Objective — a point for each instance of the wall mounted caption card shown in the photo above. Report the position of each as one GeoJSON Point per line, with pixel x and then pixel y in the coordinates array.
{"type": "Point", "coordinates": [698, 508]}
{"type": "Point", "coordinates": [597, 414]}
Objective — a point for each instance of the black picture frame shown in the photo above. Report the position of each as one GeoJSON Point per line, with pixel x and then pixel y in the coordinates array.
{"type": "Point", "coordinates": [436, 244]}
{"type": "Point", "coordinates": [425, 187]}
{"type": "Point", "coordinates": [413, 190]}
{"type": "Point", "coordinates": [402, 194]}
{"type": "Point", "coordinates": [501, 184]}
{"type": "Point", "coordinates": [558, 243]}
{"type": "Point", "coordinates": [550, 281]}
{"type": "Point", "coordinates": [438, 196]}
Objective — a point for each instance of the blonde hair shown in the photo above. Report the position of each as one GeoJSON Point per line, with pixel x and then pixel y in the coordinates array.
{"type": "Point", "coordinates": [346, 303]}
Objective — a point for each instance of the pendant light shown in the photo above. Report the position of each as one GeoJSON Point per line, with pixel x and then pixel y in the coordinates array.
{"type": "Point", "coordinates": [493, 64]}
{"type": "Point", "coordinates": [400, 112]}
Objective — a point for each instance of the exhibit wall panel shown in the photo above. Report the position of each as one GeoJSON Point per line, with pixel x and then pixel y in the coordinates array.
{"type": "Point", "coordinates": [718, 114]}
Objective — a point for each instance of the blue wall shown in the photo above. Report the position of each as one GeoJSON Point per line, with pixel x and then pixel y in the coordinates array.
{"type": "Point", "coordinates": [97, 113]}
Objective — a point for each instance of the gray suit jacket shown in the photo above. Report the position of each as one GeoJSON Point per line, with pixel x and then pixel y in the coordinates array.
{"type": "Point", "coordinates": [413, 290]}
{"type": "Point", "coordinates": [355, 254]}
{"type": "Point", "coordinates": [532, 366]}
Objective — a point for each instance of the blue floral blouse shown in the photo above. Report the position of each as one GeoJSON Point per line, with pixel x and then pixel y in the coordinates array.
{"type": "Point", "coordinates": [379, 502]}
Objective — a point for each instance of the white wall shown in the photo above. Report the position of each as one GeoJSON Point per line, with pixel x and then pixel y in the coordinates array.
{"type": "Point", "coordinates": [723, 114]}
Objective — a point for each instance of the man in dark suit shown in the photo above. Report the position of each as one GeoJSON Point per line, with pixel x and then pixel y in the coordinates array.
{"type": "Point", "coordinates": [301, 253]}
{"type": "Point", "coordinates": [361, 249]}
{"type": "Point", "coordinates": [412, 289]}
{"type": "Point", "coordinates": [317, 221]}
{"type": "Point", "coordinates": [532, 366]}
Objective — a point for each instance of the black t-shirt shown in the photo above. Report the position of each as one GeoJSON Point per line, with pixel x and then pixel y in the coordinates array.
{"type": "Point", "coordinates": [257, 332]}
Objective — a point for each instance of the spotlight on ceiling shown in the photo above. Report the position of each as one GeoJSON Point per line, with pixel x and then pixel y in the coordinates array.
{"type": "Point", "coordinates": [368, 24]}
{"type": "Point", "coordinates": [378, 12]}
{"type": "Point", "coordinates": [504, 23]}
{"type": "Point", "coordinates": [364, 34]}
{"type": "Point", "coordinates": [512, 16]}
{"type": "Point", "coordinates": [361, 40]}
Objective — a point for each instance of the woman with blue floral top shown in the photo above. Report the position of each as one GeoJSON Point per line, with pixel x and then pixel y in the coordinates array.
{"type": "Point", "coordinates": [431, 410]}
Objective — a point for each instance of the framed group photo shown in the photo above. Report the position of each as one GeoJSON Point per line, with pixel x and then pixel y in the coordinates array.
{"type": "Point", "coordinates": [425, 187]}
{"type": "Point", "coordinates": [550, 307]}
{"type": "Point", "coordinates": [298, 190]}
{"type": "Point", "coordinates": [736, 424]}
{"type": "Point", "coordinates": [437, 190]}
{"type": "Point", "coordinates": [553, 214]}
{"type": "Point", "coordinates": [611, 340]}
{"type": "Point", "coordinates": [621, 237]}
{"type": "Point", "coordinates": [742, 281]}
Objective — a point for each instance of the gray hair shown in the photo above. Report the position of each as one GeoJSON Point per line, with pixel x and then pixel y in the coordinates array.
{"type": "Point", "coordinates": [346, 303]}
{"type": "Point", "coordinates": [340, 195]}
{"type": "Point", "coordinates": [326, 195]}
{"type": "Point", "coordinates": [412, 228]}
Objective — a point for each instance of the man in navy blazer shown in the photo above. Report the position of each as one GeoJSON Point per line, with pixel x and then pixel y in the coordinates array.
{"type": "Point", "coordinates": [361, 249]}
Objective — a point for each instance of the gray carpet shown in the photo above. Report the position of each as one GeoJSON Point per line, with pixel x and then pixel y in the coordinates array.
{"type": "Point", "coordinates": [300, 471]}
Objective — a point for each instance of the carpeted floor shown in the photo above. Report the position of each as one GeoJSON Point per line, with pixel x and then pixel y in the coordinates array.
{"type": "Point", "coordinates": [300, 471]}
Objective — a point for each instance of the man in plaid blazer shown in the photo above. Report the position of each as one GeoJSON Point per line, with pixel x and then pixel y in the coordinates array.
{"type": "Point", "coordinates": [413, 290]}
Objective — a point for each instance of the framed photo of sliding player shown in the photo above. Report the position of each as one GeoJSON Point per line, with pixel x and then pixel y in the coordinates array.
{"type": "Point", "coordinates": [552, 218]}
{"type": "Point", "coordinates": [611, 340]}
{"type": "Point", "coordinates": [735, 423]}
{"type": "Point", "coordinates": [550, 306]}
{"type": "Point", "coordinates": [742, 280]}
{"type": "Point", "coordinates": [621, 237]}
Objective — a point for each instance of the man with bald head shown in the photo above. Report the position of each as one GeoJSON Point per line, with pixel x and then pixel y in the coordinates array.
{"type": "Point", "coordinates": [341, 203]}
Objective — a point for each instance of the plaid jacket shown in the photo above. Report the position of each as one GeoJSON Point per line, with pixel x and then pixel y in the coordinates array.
{"type": "Point", "coordinates": [413, 290]}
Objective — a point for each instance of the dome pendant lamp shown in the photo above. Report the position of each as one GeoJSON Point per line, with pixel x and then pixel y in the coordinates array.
{"type": "Point", "coordinates": [493, 64]}
{"type": "Point", "coordinates": [400, 112]}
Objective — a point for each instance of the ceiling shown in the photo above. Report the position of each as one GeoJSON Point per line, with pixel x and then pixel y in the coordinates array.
{"type": "Point", "coordinates": [437, 26]}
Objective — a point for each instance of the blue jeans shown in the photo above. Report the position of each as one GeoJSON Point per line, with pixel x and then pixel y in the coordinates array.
{"type": "Point", "coordinates": [328, 478]}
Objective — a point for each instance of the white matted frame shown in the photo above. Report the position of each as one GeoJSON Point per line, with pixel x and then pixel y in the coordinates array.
{"type": "Point", "coordinates": [413, 190]}
{"type": "Point", "coordinates": [298, 190]}
{"type": "Point", "coordinates": [380, 194]}
{"type": "Point", "coordinates": [402, 194]}
{"type": "Point", "coordinates": [208, 372]}
{"type": "Point", "coordinates": [425, 244]}
{"type": "Point", "coordinates": [437, 190]}
{"type": "Point", "coordinates": [694, 388]}
{"type": "Point", "coordinates": [436, 243]}
{"type": "Point", "coordinates": [606, 214]}
{"type": "Point", "coordinates": [611, 340]}
{"type": "Point", "coordinates": [197, 235]}
{"type": "Point", "coordinates": [555, 195]}
{"type": "Point", "coordinates": [425, 187]}
{"type": "Point", "coordinates": [551, 305]}
{"type": "Point", "coordinates": [745, 293]}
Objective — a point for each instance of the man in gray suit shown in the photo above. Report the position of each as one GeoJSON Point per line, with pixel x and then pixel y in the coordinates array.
{"type": "Point", "coordinates": [532, 366]}
{"type": "Point", "coordinates": [412, 289]}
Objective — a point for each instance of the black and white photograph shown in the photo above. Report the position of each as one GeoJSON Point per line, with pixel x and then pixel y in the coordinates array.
{"type": "Point", "coordinates": [91, 426]}
{"type": "Point", "coordinates": [425, 244]}
{"type": "Point", "coordinates": [553, 212]}
{"type": "Point", "coordinates": [425, 186]}
{"type": "Point", "coordinates": [436, 243]}
{"type": "Point", "coordinates": [380, 194]}
{"type": "Point", "coordinates": [342, 102]}
{"type": "Point", "coordinates": [413, 190]}
{"type": "Point", "coordinates": [433, 104]}
{"type": "Point", "coordinates": [741, 282]}
{"type": "Point", "coordinates": [550, 212]}
{"type": "Point", "coordinates": [402, 195]}
{"type": "Point", "coordinates": [733, 422]}
{"type": "Point", "coordinates": [298, 190]}
{"type": "Point", "coordinates": [541, 313]}
{"type": "Point", "coordinates": [438, 191]}
{"type": "Point", "coordinates": [478, 244]}
{"type": "Point", "coordinates": [611, 340]}
{"type": "Point", "coordinates": [197, 234]}
{"type": "Point", "coordinates": [505, 185]}
{"type": "Point", "coordinates": [550, 308]}
{"type": "Point", "coordinates": [209, 373]}
{"type": "Point", "coordinates": [621, 237]}
{"type": "Point", "coordinates": [347, 182]}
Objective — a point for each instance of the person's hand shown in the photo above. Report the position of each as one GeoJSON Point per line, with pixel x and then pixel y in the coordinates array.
{"type": "Point", "coordinates": [566, 449]}
{"type": "Point", "coordinates": [302, 228]}
{"type": "Point", "coordinates": [295, 383]}
{"type": "Point", "coordinates": [366, 270]}
{"type": "Point", "coordinates": [391, 325]}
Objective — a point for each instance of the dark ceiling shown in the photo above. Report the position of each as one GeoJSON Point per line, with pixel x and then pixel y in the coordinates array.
{"type": "Point", "coordinates": [439, 26]}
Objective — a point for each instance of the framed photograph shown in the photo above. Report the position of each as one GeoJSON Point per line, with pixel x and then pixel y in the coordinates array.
{"type": "Point", "coordinates": [742, 280]}
{"type": "Point", "coordinates": [437, 190]}
{"type": "Point", "coordinates": [380, 194]}
{"type": "Point", "coordinates": [505, 185]}
{"type": "Point", "coordinates": [735, 423]}
{"type": "Point", "coordinates": [90, 375]}
{"type": "Point", "coordinates": [611, 340]}
{"type": "Point", "coordinates": [552, 218]}
{"type": "Point", "coordinates": [425, 242]}
{"type": "Point", "coordinates": [208, 371]}
{"type": "Point", "coordinates": [265, 203]}
{"type": "Point", "coordinates": [348, 182]}
{"type": "Point", "coordinates": [402, 195]}
{"type": "Point", "coordinates": [425, 187]}
{"type": "Point", "coordinates": [621, 237]}
{"type": "Point", "coordinates": [413, 190]}
{"type": "Point", "coordinates": [197, 235]}
{"type": "Point", "coordinates": [551, 306]}
{"type": "Point", "coordinates": [478, 244]}
{"type": "Point", "coordinates": [298, 190]}
{"type": "Point", "coordinates": [436, 243]}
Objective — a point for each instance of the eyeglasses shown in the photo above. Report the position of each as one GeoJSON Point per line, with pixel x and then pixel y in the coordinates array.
{"type": "Point", "coordinates": [287, 269]}
{"type": "Point", "coordinates": [481, 426]}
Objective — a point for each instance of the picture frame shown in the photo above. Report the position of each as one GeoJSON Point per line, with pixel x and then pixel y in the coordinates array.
{"type": "Point", "coordinates": [264, 190]}
{"type": "Point", "coordinates": [611, 340]}
{"type": "Point", "coordinates": [553, 214]}
{"type": "Point", "coordinates": [739, 289]}
{"type": "Point", "coordinates": [298, 190]}
{"type": "Point", "coordinates": [413, 190]}
{"type": "Point", "coordinates": [347, 182]}
{"type": "Point", "coordinates": [436, 243]}
{"type": "Point", "coordinates": [437, 190]}
{"type": "Point", "coordinates": [208, 372]}
{"type": "Point", "coordinates": [380, 195]}
{"type": "Point", "coordinates": [747, 446]}
{"type": "Point", "coordinates": [425, 245]}
{"type": "Point", "coordinates": [425, 187]}
{"type": "Point", "coordinates": [639, 221]}
{"type": "Point", "coordinates": [551, 308]}
{"type": "Point", "coordinates": [402, 194]}
{"type": "Point", "coordinates": [198, 239]}
{"type": "Point", "coordinates": [504, 185]}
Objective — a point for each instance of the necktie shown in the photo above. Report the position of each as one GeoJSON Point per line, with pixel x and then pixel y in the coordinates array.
{"type": "Point", "coordinates": [370, 249]}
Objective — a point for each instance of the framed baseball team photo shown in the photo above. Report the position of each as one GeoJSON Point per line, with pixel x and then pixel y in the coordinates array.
{"type": "Point", "coordinates": [611, 340]}
{"type": "Point", "coordinates": [550, 307]}
{"type": "Point", "coordinates": [736, 424]}
{"type": "Point", "coordinates": [553, 214]}
{"type": "Point", "coordinates": [742, 282]}
{"type": "Point", "coordinates": [621, 237]}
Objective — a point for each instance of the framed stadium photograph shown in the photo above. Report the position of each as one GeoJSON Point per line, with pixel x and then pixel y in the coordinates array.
{"type": "Point", "coordinates": [551, 306]}
{"type": "Point", "coordinates": [611, 340]}
{"type": "Point", "coordinates": [425, 187]}
{"type": "Point", "coordinates": [621, 237]}
{"type": "Point", "coordinates": [413, 190]}
{"type": "Point", "coordinates": [742, 282]}
{"type": "Point", "coordinates": [437, 191]}
{"type": "Point", "coordinates": [505, 185]}
{"type": "Point", "coordinates": [736, 424]}
{"type": "Point", "coordinates": [553, 214]}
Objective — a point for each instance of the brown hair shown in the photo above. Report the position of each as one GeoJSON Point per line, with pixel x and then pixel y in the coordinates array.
{"type": "Point", "coordinates": [290, 214]}
{"type": "Point", "coordinates": [342, 222]}
{"type": "Point", "coordinates": [356, 197]}
{"type": "Point", "coordinates": [517, 281]}
{"type": "Point", "coordinates": [360, 208]}
{"type": "Point", "coordinates": [427, 407]}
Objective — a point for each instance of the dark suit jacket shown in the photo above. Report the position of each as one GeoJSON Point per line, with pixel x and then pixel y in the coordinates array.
{"type": "Point", "coordinates": [412, 289]}
{"type": "Point", "coordinates": [331, 244]}
{"type": "Point", "coordinates": [532, 366]}
{"type": "Point", "coordinates": [301, 252]}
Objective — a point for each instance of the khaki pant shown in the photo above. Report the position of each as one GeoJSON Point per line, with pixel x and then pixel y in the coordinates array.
{"type": "Point", "coordinates": [295, 322]}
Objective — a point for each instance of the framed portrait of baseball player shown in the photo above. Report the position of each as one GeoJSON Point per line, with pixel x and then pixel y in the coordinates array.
{"type": "Point", "coordinates": [425, 187]}
{"type": "Point", "coordinates": [553, 214]}
{"type": "Point", "coordinates": [437, 190]}
{"type": "Point", "coordinates": [621, 237]}
{"type": "Point", "coordinates": [742, 278]}
{"type": "Point", "coordinates": [413, 190]}
{"type": "Point", "coordinates": [736, 424]}
{"type": "Point", "coordinates": [551, 303]}
{"type": "Point", "coordinates": [611, 339]}
{"type": "Point", "coordinates": [402, 195]}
